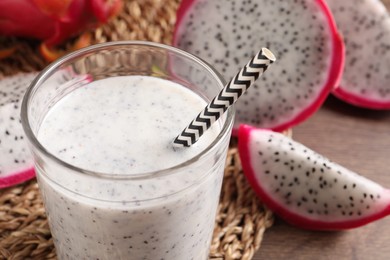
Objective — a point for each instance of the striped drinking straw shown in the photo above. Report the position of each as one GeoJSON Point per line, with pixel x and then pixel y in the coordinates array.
{"type": "Point", "coordinates": [227, 97]}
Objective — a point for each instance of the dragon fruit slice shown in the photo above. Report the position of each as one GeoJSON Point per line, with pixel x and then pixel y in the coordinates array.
{"type": "Point", "coordinates": [365, 25]}
{"type": "Point", "coordinates": [16, 164]}
{"type": "Point", "coordinates": [302, 34]}
{"type": "Point", "coordinates": [306, 189]}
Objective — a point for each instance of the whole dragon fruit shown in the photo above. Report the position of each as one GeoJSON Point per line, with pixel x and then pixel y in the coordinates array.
{"type": "Point", "coordinates": [54, 21]}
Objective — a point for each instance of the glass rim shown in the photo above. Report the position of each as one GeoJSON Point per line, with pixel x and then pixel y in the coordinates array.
{"type": "Point", "coordinates": [47, 72]}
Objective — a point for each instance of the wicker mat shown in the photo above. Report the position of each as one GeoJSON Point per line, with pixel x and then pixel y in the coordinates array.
{"type": "Point", "coordinates": [24, 231]}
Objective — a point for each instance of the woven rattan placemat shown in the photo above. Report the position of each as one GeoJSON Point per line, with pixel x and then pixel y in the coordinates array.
{"type": "Point", "coordinates": [24, 231]}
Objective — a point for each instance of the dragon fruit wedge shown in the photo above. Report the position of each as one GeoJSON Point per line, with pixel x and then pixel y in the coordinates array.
{"type": "Point", "coordinates": [306, 189]}
{"type": "Point", "coordinates": [365, 25]}
{"type": "Point", "coordinates": [16, 164]}
{"type": "Point", "coordinates": [303, 36]}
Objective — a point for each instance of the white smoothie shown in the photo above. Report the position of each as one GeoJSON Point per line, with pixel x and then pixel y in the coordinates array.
{"type": "Point", "coordinates": [122, 127]}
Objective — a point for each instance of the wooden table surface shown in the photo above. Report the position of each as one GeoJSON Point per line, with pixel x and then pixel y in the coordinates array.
{"type": "Point", "coordinates": [358, 139]}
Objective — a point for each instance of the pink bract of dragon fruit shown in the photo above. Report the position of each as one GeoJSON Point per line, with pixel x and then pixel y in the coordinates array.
{"type": "Point", "coordinates": [303, 36]}
{"type": "Point", "coordinates": [53, 21]}
{"type": "Point", "coordinates": [306, 189]}
{"type": "Point", "coordinates": [365, 26]}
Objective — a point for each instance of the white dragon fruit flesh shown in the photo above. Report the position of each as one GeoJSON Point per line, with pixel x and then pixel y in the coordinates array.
{"type": "Point", "coordinates": [306, 189]}
{"type": "Point", "coordinates": [365, 26]}
{"type": "Point", "coordinates": [16, 164]}
{"type": "Point", "coordinates": [302, 34]}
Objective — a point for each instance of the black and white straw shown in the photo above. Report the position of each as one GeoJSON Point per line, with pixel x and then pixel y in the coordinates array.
{"type": "Point", "coordinates": [227, 97]}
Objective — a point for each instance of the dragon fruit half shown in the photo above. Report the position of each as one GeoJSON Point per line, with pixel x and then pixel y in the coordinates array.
{"type": "Point", "coordinates": [16, 164]}
{"type": "Point", "coordinates": [365, 25]}
{"type": "Point", "coordinates": [303, 36]}
{"type": "Point", "coordinates": [306, 189]}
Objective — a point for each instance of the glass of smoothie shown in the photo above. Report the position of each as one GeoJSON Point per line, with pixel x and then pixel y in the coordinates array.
{"type": "Point", "coordinates": [100, 123]}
